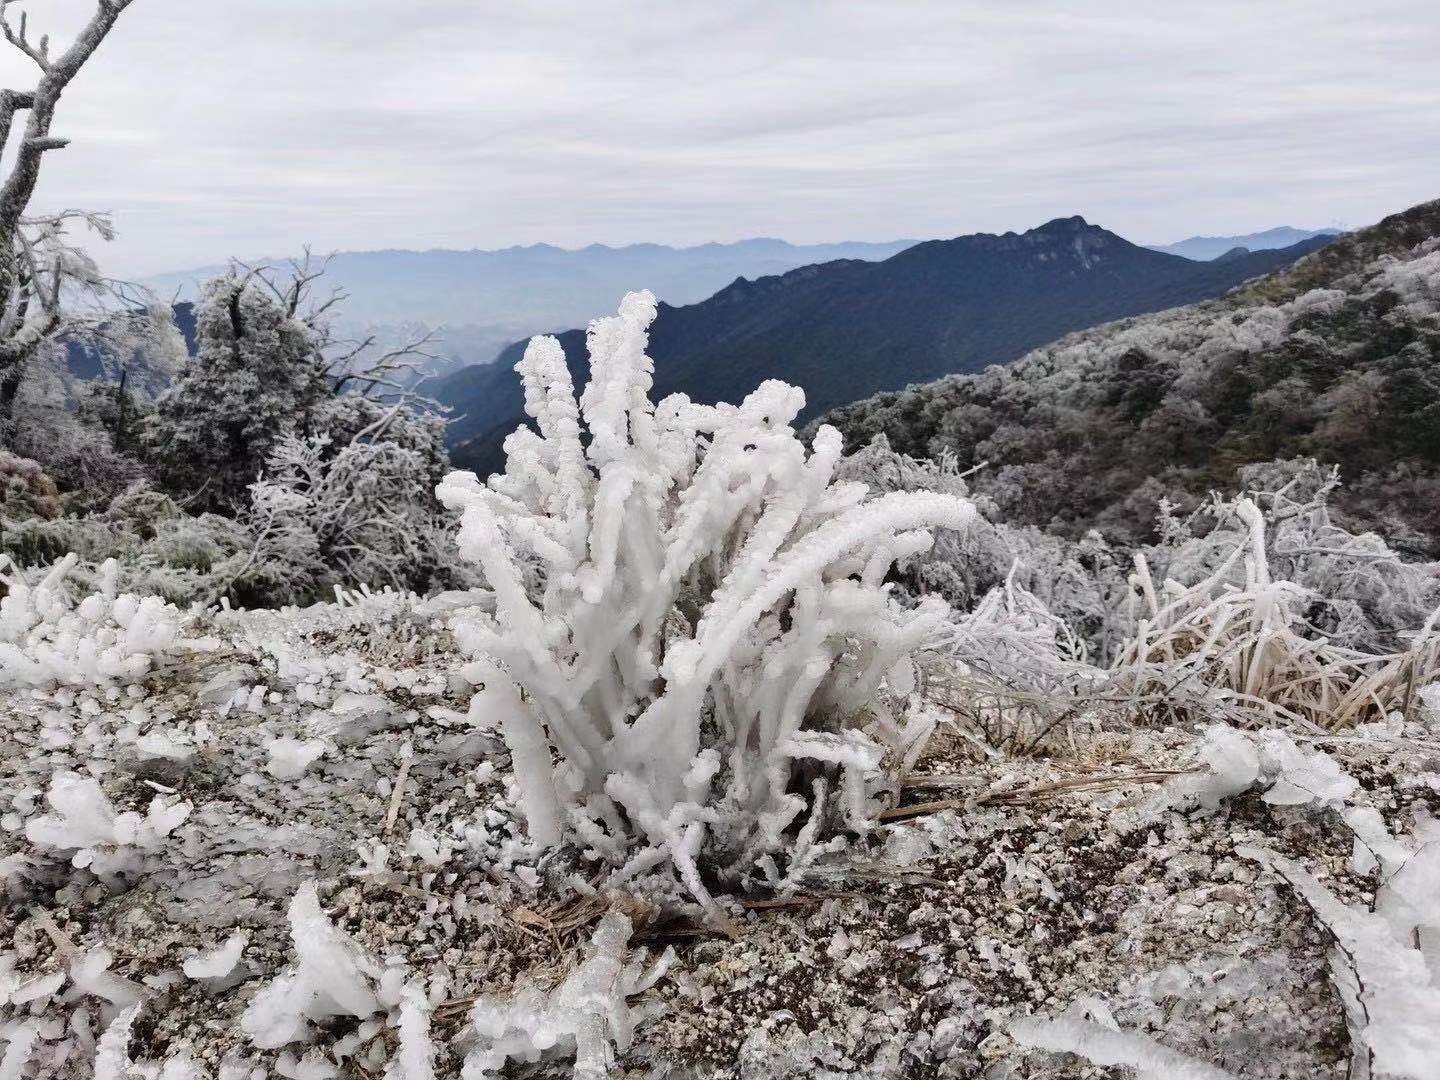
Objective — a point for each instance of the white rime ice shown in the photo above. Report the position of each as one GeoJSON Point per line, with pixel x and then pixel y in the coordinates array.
{"type": "Point", "coordinates": [84, 822]}
{"type": "Point", "coordinates": [1383, 964]}
{"type": "Point", "coordinates": [332, 977]}
{"type": "Point", "coordinates": [1236, 762]}
{"type": "Point", "coordinates": [415, 1058]}
{"type": "Point", "coordinates": [217, 963]}
{"type": "Point", "coordinates": [112, 1055]}
{"type": "Point", "coordinates": [678, 602]}
{"type": "Point", "coordinates": [289, 758]}
{"type": "Point", "coordinates": [1101, 1045]}
{"type": "Point", "coordinates": [19, 1048]}
{"type": "Point", "coordinates": [587, 1015]}
{"type": "Point", "coordinates": [48, 640]}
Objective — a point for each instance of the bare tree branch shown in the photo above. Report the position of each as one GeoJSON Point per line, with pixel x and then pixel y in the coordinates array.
{"type": "Point", "coordinates": [36, 265]}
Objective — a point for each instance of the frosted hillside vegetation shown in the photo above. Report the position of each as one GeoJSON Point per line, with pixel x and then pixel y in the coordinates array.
{"type": "Point", "coordinates": [1335, 358]}
{"type": "Point", "coordinates": [1082, 720]}
{"type": "Point", "coordinates": [740, 759]}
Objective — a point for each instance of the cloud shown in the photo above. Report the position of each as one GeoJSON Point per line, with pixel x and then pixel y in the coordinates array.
{"type": "Point", "coordinates": [216, 128]}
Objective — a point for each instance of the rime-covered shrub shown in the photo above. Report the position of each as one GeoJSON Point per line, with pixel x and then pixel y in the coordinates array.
{"type": "Point", "coordinates": [1234, 630]}
{"type": "Point", "coordinates": [48, 639]}
{"type": "Point", "coordinates": [709, 638]}
{"type": "Point", "coordinates": [326, 515]}
{"type": "Point", "coordinates": [1080, 582]}
{"type": "Point", "coordinates": [1259, 608]}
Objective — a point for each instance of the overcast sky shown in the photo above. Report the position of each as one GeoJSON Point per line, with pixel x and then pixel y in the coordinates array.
{"type": "Point", "coordinates": [250, 127]}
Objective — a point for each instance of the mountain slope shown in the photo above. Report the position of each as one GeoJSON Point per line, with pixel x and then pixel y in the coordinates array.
{"type": "Point", "coordinates": [487, 299]}
{"type": "Point", "coordinates": [1336, 357]}
{"type": "Point", "coordinates": [845, 329]}
{"type": "Point", "coordinates": [1204, 248]}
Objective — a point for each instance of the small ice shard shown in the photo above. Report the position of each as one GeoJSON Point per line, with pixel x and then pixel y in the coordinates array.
{"type": "Point", "coordinates": [219, 962]}
{"type": "Point", "coordinates": [289, 758]}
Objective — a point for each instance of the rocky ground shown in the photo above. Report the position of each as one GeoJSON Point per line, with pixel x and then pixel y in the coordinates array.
{"type": "Point", "coordinates": [1083, 883]}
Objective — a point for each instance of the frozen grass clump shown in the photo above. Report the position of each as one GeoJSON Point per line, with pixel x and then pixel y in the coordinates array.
{"type": "Point", "coordinates": [711, 620]}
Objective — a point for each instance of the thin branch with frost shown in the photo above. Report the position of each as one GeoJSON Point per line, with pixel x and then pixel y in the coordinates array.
{"type": "Point", "coordinates": [1392, 1002]}
{"type": "Point", "coordinates": [1101, 1045]}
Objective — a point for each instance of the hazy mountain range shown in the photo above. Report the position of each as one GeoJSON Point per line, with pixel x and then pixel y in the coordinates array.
{"type": "Point", "coordinates": [846, 329]}
{"type": "Point", "coordinates": [1214, 247]}
{"type": "Point", "coordinates": [479, 301]}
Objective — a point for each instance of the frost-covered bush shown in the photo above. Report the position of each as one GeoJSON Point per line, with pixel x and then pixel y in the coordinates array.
{"type": "Point", "coordinates": [711, 625]}
{"type": "Point", "coordinates": [1258, 608]}
{"type": "Point", "coordinates": [326, 515]}
{"type": "Point", "coordinates": [1360, 593]}
{"type": "Point", "coordinates": [1239, 634]}
{"type": "Point", "coordinates": [47, 639]}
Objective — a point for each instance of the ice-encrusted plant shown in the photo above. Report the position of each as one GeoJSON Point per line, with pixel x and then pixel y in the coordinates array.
{"type": "Point", "coordinates": [587, 1016]}
{"type": "Point", "coordinates": [48, 639]}
{"type": "Point", "coordinates": [711, 619]}
{"type": "Point", "coordinates": [1245, 642]}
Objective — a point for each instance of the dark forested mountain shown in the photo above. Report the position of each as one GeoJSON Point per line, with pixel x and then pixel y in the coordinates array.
{"type": "Point", "coordinates": [842, 330]}
{"type": "Point", "coordinates": [1336, 358]}
{"type": "Point", "coordinates": [479, 301]}
{"type": "Point", "coordinates": [1218, 247]}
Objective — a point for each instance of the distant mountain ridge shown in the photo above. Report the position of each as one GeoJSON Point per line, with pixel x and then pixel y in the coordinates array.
{"type": "Point", "coordinates": [1335, 357]}
{"type": "Point", "coordinates": [490, 298]}
{"type": "Point", "coordinates": [1205, 248]}
{"type": "Point", "coordinates": [846, 329]}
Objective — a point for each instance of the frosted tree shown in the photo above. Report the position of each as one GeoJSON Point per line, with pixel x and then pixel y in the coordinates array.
{"type": "Point", "coordinates": [255, 378]}
{"type": "Point", "coordinates": [42, 273]}
{"type": "Point", "coordinates": [270, 368]}
{"type": "Point", "coordinates": [711, 634]}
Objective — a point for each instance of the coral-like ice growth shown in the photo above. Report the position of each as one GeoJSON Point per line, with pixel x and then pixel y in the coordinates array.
{"type": "Point", "coordinates": [710, 617]}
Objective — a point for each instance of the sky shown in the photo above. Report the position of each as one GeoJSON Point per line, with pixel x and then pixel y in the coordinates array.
{"type": "Point", "coordinates": [218, 128]}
